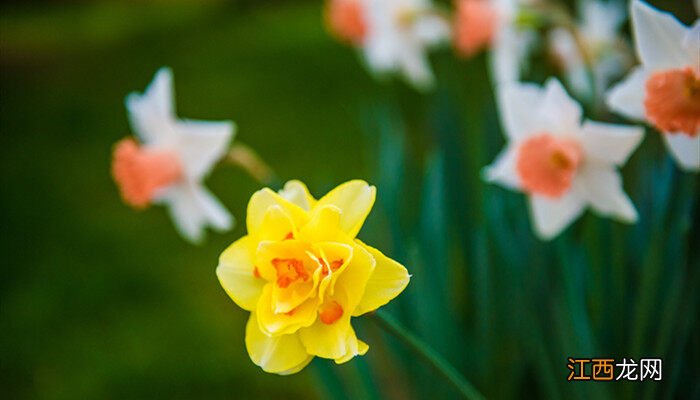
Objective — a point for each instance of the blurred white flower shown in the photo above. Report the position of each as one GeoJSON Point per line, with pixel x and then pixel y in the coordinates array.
{"type": "Point", "coordinates": [480, 24]}
{"type": "Point", "coordinates": [564, 165]}
{"type": "Point", "coordinates": [172, 159]}
{"type": "Point", "coordinates": [599, 45]}
{"type": "Point", "coordinates": [665, 89]}
{"type": "Point", "coordinates": [393, 35]}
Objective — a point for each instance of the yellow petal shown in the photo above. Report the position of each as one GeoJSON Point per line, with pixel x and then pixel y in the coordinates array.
{"type": "Point", "coordinates": [355, 200]}
{"type": "Point", "coordinates": [297, 193]}
{"type": "Point", "coordinates": [282, 355]}
{"type": "Point", "coordinates": [276, 225]}
{"type": "Point", "coordinates": [275, 324]}
{"type": "Point", "coordinates": [387, 281]}
{"type": "Point", "coordinates": [327, 341]}
{"type": "Point", "coordinates": [354, 279]}
{"type": "Point", "coordinates": [236, 274]}
{"type": "Point", "coordinates": [323, 225]}
{"type": "Point", "coordinates": [354, 346]}
{"type": "Point", "coordinates": [262, 200]}
{"type": "Point", "coordinates": [331, 253]}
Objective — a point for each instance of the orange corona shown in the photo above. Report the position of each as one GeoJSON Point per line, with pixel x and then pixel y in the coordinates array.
{"type": "Point", "coordinates": [672, 101]}
{"type": "Point", "coordinates": [547, 164]}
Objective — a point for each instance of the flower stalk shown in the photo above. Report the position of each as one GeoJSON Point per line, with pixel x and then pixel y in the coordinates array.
{"type": "Point", "coordinates": [427, 354]}
{"type": "Point", "coordinates": [249, 160]}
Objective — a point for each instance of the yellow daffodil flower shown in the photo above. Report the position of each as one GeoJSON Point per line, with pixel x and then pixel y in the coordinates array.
{"type": "Point", "coordinates": [302, 274]}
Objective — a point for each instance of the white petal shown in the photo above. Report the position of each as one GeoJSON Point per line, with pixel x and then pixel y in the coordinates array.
{"type": "Point", "coordinates": [685, 150]}
{"type": "Point", "coordinates": [152, 113]}
{"type": "Point", "coordinates": [185, 210]}
{"type": "Point", "coordinates": [431, 29]}
{"type": "Point", "coordinates": [659, 37]}
{"type": "Point", "coordinates": [601, 185]}
{"type": "Point", "coordinates": [510, 49]}
{"type": "Point", "coordinates": [517, 102]}
{"type": "Point", "coordinates": [216, 214]}
{"type": "Point", "coordinates": [691, 44]}
{"type": "Point", "coordinates": [558, 111]}
{"type": "Point", "coordinates": [627, 97]}
{"type": "Point", "coordinates": [601, 20]}
{"type": "Point", "coordinates": [610, 143]}
{"type": "Point", "coordinates": [192, 207]}
{"type": "Point", "coordinates": [551, 216]}
{"type": "Point", "coordinates": [415, 67]}
{"type": "Point", "coordinates": [381, 42]}
{"type": "Point", "coordinates": [564, 46]}
{"type": "Point", "coordinates": [503, 170]}
{"type": "Point", "coordinates": [379, 54]}
{"type": "Point", "coordinates": [201, 144]}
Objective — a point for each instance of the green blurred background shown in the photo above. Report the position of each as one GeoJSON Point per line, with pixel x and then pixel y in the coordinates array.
{"type": "Point", "coordinates": [100, 301]}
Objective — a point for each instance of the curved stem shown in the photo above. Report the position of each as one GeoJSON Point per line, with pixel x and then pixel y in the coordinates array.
{"type": "Point", "coordinates": [425, 352]}
{"type": "Point", "coordinates": [249, 160]}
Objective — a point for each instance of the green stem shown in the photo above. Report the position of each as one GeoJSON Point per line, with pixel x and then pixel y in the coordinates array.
{"type": "Point", "coordinates": [428, 355]}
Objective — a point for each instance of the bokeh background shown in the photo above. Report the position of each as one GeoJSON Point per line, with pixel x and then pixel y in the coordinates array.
{"type": "Point", "coordinates": [98, 301]}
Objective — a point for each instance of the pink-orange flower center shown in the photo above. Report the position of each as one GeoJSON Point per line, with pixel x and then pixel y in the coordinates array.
{"type": "Point", "coordinates": [346, 20]}
{"type": "Point", "coordinates": [141, 172]}
{"type": "Point", "coordinates": [672, 101]}
{"type": "Point", "coordinates": [330, 312]}
{"type": "Point", "coordinates": [475, 26]}
{"type": "Point", "coordinates": [547, 164]}
{"type": "Point", "coordinates": [289, 270]}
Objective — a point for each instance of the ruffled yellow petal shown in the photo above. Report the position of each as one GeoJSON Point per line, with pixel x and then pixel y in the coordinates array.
{"type": "Point", "coordinates": [354, 347]}
{"type": "Point", "coordinates": [335, 258]}
{"type": "Point", "coordinates": [236, 274]}
{"type": "Point", "coordinates": [274, 323]}
{"type": "Point", "coordinates": [327, 340]}
{"type": "Point", "coordinates": [331, 339]}
{"type": "Point", "coordinates": [262, 200]}
{"type": "Point", "coordinates": [323, 225]}
{"type": "Point", "coordinates": [282, 355]}
{"type": "Point", "coordinates": [387, 281]}
{"type": "Point", "coordinates": [276, 225]}
{"type": "Point", "coordinates": [336, 340]}
{"type": "Point", "coordinates": [297, 193]}
{"type": "Point", "coordinates": [355, 200]}
{"type": "Point", "coordinates": [353, 281]}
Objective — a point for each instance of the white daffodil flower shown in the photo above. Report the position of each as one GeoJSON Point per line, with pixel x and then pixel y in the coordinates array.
{"type": "Point", "coordinates": [399, 34]}
{"type": "Point", "coordinates": [664, 90]}
{"type": "Point", "coordinates": [481, 24]}
{"type": "Point", "coordinates": [564, 165]}
{"type": "Point", "coordinates": [173, 157]}
{"type": "Point", "coordinates": [600, 43]}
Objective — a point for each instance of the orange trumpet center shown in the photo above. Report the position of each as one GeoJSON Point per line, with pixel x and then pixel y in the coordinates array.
{"type": "Point", "coordinates": [475, 26]}
{"type": "Point", "coordinates": [141, 172]}
{"type": "Point", "coordinates": [672, 101]}
{"type": "Point", "coordinates": [289, 270]}
{"type": "Point", "coordinates": [547, 164]}
{"type": "Point", "coordinates": [346, 20]}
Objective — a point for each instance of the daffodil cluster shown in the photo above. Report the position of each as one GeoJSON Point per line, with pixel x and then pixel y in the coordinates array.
{"type": "Point", "coordinates": [565, 164]}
